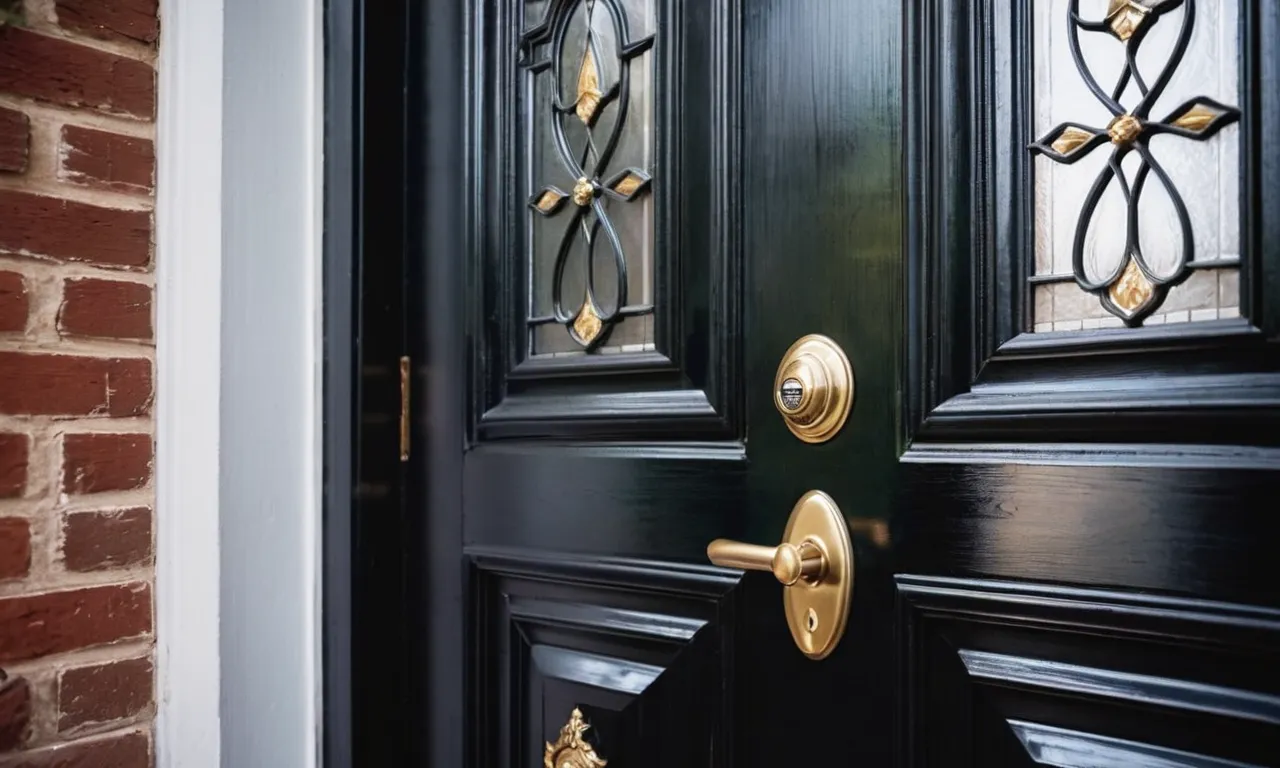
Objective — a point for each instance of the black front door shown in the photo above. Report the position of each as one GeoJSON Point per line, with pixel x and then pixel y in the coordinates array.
{"type": "Point", "coordinates": [1045, 236]}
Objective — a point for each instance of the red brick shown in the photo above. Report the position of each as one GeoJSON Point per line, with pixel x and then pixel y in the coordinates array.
{"type": "Point", "coordinates": [61, 229]}
{"type": "Point", "coordinates": [15, 712]}
{"type": "Point", "coordinates": [57, 622]}
{"type": "Point", "coordinates": [105, 308]}
{"type": "Point", "coordinates": [111, 19]}
{"type": "Point", "coordinates": [95, 541]}
{"type": "Point", "coordinates": [129, 750]}
{"type": "Point", "coordinates": [95, 463]}
{"type": "Point", "coordinates": [14, 304]}
{"type": "Point", "coordinates": [100, 694]}
{"type": "Point", "coordinates": [13, 464]}
{"type": "Point", "coordinates": [107, 160]}
{"type": "Point", "coordinates": [15, 548]}
{"type": "Point", "coordinates": [37, 384]}
{"type": "Point", "coordinates": [15, 138]}
{"type": "Point", "coordinates": [74, 75]}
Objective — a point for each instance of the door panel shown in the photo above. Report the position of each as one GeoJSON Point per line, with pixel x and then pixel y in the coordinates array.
{"type": "Point", "coordinates": [1057, 485]}
{"type": "Point", "coordinates": [1069, 671]}
{"type": "Point", "coordinates": [641, 647]}
{"type": "Point", "coordinates": [1075, 486]}
{"type": "Point", "coordinates": [607, 275]}
{"type": "Point", "coordinates": [606, 442]}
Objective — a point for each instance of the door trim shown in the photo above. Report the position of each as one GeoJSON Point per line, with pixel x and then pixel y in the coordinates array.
{"type": "Point", "coordinates": [368, 605]}
{"type": "Point", "coordinates": [238, 225]}
{"type": "Point", "coordinates": [439, 230]}
{"type": "Point", "coordinates": [341, 260]}
{"type": "Point", "coordinates": [188, 372]}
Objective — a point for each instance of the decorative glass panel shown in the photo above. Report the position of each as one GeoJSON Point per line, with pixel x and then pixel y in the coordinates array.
{"type": "Point", "coordinates": [1137, 177]}
{"type": "Point", "coordinates": [590, 134]}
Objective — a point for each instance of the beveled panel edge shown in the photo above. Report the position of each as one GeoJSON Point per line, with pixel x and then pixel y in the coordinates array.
{"type": "Point", "coordinates": [679, 414]}
{"type": "Point", "coordinates": [1112, 612]}
{"type": "Point", "coordinates": [1118, 685]}
{"type": "Point", "coordinates": [610, 673]}
{"type": "Point", "coordinates": [1075, 454]}
{"type": "Point", "coordinates": [1050, 745]}
{"type": "Point", "coordinates": [604, 619]}
{"type": "Point", "coordinates": [579, 366]}
{"type": "Point", "coordinates": [703, 581]}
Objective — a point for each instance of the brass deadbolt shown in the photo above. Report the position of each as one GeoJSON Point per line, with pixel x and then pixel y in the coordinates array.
{"type": "Point", "coordinates": [814, 563]}
{"type": "Point", "coordinates": [814, 388]}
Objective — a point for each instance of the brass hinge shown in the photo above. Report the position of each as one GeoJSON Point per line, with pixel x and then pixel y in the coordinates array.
{"type": "Point", "coordinates": [404, 408]}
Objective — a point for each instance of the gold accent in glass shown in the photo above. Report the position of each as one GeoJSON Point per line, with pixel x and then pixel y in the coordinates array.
{"type": "Point", "coordinates": [1124, 129]}
{"type": "Point", "coordinates": [587, 324]}
{"type": "Point", "coordinates": [1197, 118]}
{"type": "Point", "coordinates": [548, 201]}
{"type": "Point", "coordinates": [583, 191]}
{"type": "Point", "coordinates": [1125, 17]}
{"type": "Point", "coordinates": [1132, 289]}
{"type": "Point", "coordinates": [1071, 139]}
{"type": "Point", "coordinates": [589, 93]}
{"type": "Point", "coordinates": [571, 750]}
{"type": "Point", "coordinates": [814, 563]}
{"type": "Point", "coordinates": [628, 185]}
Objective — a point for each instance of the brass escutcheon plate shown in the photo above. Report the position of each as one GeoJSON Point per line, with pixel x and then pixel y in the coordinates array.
{"type": "Point", "coordinates": [813, 389]}
{"type": "Point", "coordinates": [817, 611]}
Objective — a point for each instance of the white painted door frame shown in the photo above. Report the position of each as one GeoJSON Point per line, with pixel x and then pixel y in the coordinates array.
{"type": "Point", "coordinates": [238, 453]}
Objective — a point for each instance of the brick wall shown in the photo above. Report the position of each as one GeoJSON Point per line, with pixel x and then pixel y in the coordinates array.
{"type": "Point", "coordinates": [77, 102]}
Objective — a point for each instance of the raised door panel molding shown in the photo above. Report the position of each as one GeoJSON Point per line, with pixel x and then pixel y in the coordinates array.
{"type": "Point", "coordinates": [1074, 677]}
{"type": "Point", "coordinates": [1095, 274]}
{"type": "Point", "coordinates": [607, 274]}
{"type": "Point", "coordinates": [600, 659]}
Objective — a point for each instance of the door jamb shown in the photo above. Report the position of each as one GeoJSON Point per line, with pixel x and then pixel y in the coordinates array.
{"type": "Point", "coordinates": [340, 259]}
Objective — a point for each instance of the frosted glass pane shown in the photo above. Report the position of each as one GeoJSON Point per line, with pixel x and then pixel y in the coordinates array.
{"type": "Point", "coordinates": [591, 169]}
{"type": "Point", "coordinates": [1188, 135]}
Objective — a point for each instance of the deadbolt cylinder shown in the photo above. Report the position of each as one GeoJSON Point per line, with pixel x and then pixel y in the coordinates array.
{"type": "Point", "coordinates": [813, 389]}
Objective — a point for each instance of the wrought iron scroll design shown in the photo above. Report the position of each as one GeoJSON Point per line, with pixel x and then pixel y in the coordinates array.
{"type": "Point", "coordinates": [541, 51]}
{"type": "Point", "coordinates": [1132, 290]}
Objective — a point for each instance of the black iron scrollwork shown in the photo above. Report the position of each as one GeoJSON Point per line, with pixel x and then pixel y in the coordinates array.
{"type": "Point", "coordinates": [589, 323]}
{"type": "Point", "coordinates": [1133, 290]}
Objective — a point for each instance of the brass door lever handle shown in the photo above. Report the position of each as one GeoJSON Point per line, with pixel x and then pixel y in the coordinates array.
{"type": "Point", "coordinates": [788, 562]}
{"type": "Point", "coordinates": [815, 564]}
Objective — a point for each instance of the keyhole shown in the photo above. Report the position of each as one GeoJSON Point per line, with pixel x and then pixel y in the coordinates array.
{"type": "Point", "coordinates": [813, 620]}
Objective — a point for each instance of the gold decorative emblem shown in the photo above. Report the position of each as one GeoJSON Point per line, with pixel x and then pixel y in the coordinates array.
{"type": "Point", "coordinates": [571, 750]}
{"type": "Point", "coordinates": [589, 93]}
{"type": "Point", "coordinates": [583, 191]}
{"type": "Point", "coordinates": [1132, 289]}
{"type": "Point", "coordinates": [587, 325]}
{"type": "Point", "coordinates": [1071, 139]}
{"type": "Point", "coordinates": [628, 185]}
{"type": "Point", "coordinates": [1198, 118]}
{"type": "Point", "coordinates": [1125, 17]}
{"type": "Point", "coordinates": [1124, 129]}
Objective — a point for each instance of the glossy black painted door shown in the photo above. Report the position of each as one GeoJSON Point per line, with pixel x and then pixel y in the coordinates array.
{"type": "Point", "coordinates": [1060, 538]}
